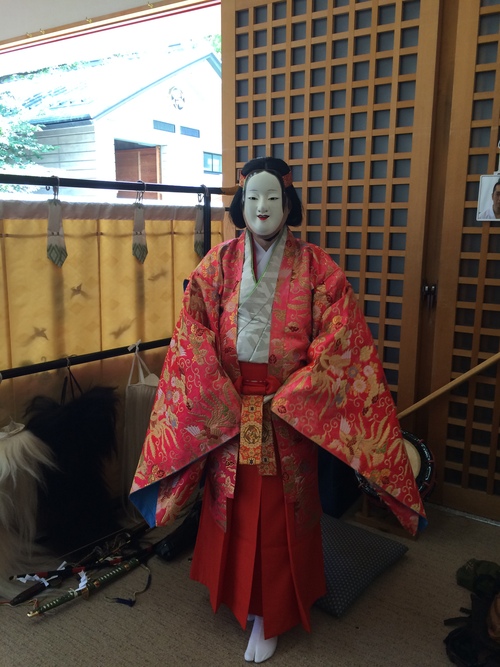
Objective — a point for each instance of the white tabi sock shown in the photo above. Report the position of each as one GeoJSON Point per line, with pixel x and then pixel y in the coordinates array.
{"type": "Point", "coordinates": [260, 649]}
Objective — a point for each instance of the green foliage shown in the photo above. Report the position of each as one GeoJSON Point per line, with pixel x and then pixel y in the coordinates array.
{"type": "Point", "coordinates": [19, 145]}
{"type": "Point", "coordinates": [215, 42]}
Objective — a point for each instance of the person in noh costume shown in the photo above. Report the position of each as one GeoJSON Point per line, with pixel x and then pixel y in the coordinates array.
{"type": "Point", "coordinates": [271, 357]}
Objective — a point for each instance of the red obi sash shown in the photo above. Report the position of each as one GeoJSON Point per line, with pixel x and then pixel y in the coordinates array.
{"type": "Point", "coordinates": [254, 380]}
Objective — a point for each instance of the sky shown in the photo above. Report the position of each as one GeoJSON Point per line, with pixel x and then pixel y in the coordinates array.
{"type": "Point", "coordinates": [151, 35]}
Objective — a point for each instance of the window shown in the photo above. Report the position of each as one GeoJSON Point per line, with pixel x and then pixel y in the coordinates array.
{"type": "Point", "coordinates": [151, 83]}
{"type": "Point", "coordinates": [189, 131]}
{"type": "Point", "coordinates": [165, 127]}
{"type": "Point", "coordinates": [212, 163]}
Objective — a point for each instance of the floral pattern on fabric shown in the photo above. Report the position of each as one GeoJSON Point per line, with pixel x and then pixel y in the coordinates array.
{"type": "Point", "coordinates": [333, 391]}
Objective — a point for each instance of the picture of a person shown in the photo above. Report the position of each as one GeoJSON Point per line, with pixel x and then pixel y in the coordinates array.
{"type": "Point", "coordinates": [493, 212]}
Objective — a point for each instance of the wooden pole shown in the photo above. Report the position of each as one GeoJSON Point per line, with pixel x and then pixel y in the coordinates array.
{"type": "Point", "coordinates": [451, 385]}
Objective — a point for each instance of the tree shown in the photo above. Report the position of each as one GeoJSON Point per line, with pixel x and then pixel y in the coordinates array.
{"type": "Point", "coordinates": [19, 145]}
{"type": "Point", "coordinates": [215, 42]}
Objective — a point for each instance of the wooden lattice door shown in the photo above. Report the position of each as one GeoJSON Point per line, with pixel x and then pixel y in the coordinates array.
{"type": "Point", "coordinates": [464, 424]}
{"type": "Point", "coordinates": [387, 111]}
{"type": "Point", "coordinates": [343, 91]}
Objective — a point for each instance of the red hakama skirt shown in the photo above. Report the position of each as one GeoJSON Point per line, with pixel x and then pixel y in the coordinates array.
{"type": "Point", "coordinates": [259, 565]}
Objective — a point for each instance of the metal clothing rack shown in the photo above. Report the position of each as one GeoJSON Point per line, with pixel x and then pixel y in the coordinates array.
{"type": "Point", "coordinates": [75, 360]}
{"type": "Point", "coordinates": [137, 186]}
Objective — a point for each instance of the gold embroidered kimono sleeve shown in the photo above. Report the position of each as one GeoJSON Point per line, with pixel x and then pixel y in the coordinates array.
{"type": "Point", "coordinates": [333, 391]}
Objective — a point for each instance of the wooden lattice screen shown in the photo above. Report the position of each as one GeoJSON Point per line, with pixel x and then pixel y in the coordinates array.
{"type": "Point", "coordinates": [387, 111]}
{"type": "Point", "coordinates": [465, 425]}
{"type": "Point", "coordinates": [331, 87]}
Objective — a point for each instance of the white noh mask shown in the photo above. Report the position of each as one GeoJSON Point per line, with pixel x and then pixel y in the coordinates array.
{"type": "Point", "coordinates": [263, 207]}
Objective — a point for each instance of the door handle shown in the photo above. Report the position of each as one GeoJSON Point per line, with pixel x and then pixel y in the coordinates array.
{"type": "Point", "coordinates": [429, 295]}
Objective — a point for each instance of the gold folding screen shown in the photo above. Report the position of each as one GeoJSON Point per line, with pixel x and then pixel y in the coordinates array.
{"type": "Point", "coordinates": [101, 298]}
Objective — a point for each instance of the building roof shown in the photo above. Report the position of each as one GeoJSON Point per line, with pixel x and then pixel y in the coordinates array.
{"type": "Point", "coordinates": [88, 91]}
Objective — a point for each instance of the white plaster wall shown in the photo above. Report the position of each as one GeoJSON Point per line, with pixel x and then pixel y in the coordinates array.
{"type": "Point", "coordinates": [182, 156]}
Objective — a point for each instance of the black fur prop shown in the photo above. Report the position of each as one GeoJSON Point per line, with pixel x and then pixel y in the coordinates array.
{"type": "Point", "coordinates": [75, 507]}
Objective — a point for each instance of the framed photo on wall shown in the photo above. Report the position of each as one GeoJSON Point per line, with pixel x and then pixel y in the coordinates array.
{"type": "Point", "coordinates": [488, 205]}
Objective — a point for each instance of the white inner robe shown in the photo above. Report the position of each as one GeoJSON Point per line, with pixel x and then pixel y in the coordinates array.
{"type": "Point", "coordinates": [256, 298]}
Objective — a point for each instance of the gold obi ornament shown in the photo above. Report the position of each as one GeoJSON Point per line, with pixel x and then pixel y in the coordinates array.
{"type": "Point", "coordinates": [252, 415]}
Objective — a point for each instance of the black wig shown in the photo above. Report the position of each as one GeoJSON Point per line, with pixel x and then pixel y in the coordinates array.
{"type": "Point", "coordinates": [278, 168]}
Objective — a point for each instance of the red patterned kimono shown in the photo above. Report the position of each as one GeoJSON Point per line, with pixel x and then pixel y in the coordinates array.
{"type": "Point", "coordinates": [332, 393]}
